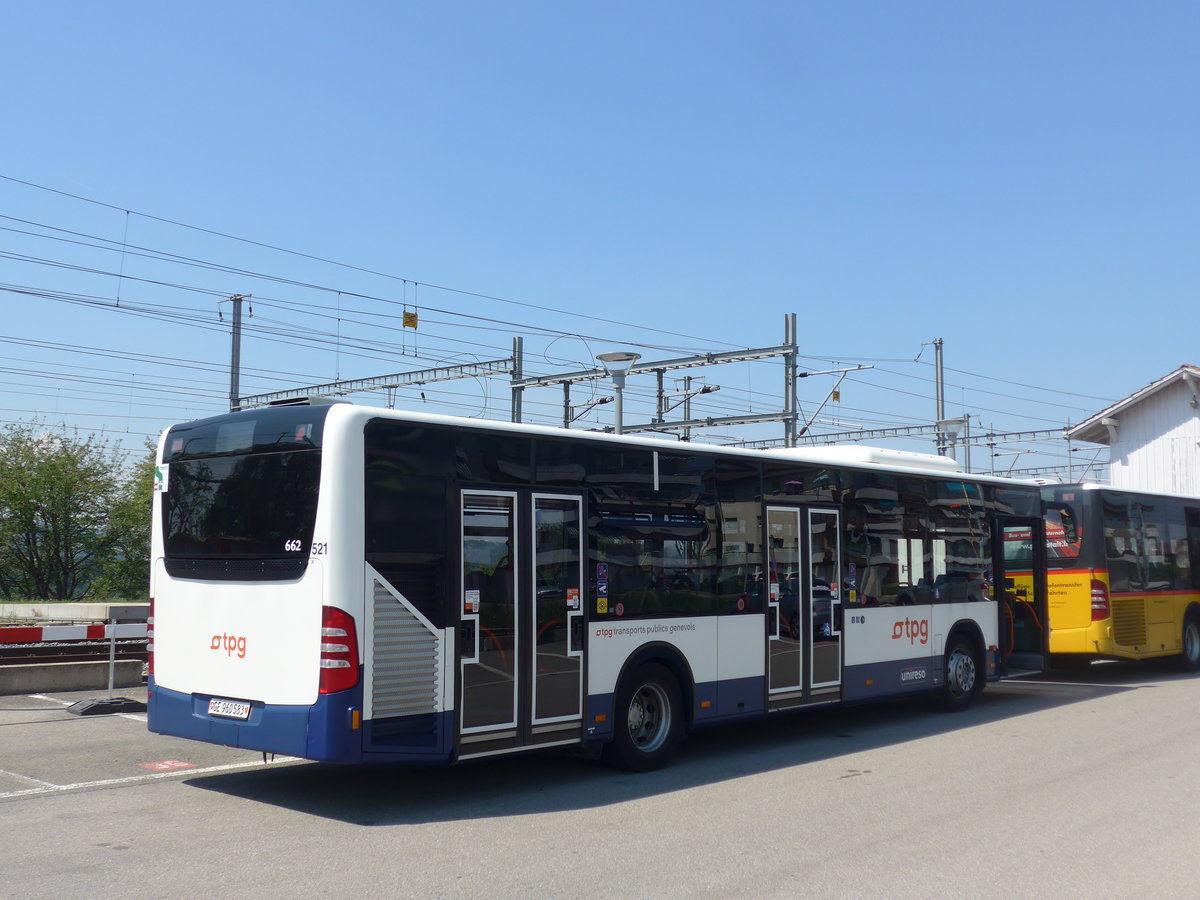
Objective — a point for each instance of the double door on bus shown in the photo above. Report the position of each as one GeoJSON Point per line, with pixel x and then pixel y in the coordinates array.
{"type": "Point", "coordinates": [520, 637]}
{"type": "Point", "coordinates": [804, 613]}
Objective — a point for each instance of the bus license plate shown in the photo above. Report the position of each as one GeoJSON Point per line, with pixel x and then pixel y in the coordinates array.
{"type": "Point", "coordinates": [230, 709]}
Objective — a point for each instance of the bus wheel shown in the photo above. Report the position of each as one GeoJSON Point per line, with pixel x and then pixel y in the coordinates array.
{"type": "Point", "coordinates": [961, 675]}
{"type": "Point", "coordinates": [649, 720]}
{"type": "Point", "coordinates": [1191, 643]}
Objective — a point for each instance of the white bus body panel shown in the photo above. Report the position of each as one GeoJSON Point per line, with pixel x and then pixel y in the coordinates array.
{"type": "Point", "coordinates": [218, 638]}
{"type": "Point", "coordinates": [740, 641]}
{"type": "Point", "coordinates": [613, 642]}
{"type": "Point", "coordinates": [894, 633]}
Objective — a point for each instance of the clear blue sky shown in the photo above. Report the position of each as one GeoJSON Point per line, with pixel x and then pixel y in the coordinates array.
{"type": "Point", "coordinates": [1018, 179]}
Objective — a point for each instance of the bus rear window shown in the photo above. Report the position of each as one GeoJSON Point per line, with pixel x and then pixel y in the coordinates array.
{"type": "Point", "coordinates": [244, 517]}
{"type": "Point", "coordinates": [261, 431]}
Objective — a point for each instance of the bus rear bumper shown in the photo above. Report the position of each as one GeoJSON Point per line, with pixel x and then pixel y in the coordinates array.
{"type": "Point", "coordinates": [323, 731]}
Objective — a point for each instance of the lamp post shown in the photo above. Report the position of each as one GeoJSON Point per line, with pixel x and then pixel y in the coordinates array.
{"type": "Point", "coordinates": [617, 365]}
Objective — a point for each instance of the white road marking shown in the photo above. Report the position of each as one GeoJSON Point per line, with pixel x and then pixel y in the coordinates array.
{"type": "Point", "coordinates": [17, 775]}
{"type": "Point", "coordinates": [47, 788]}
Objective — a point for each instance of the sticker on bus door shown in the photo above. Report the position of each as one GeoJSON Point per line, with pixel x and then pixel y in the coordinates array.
{"type": "Point", "coordinates": [601, 588]}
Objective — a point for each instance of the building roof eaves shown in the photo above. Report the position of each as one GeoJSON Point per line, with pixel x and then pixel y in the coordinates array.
{"type": "Point", "coordinates": [1094, 431]}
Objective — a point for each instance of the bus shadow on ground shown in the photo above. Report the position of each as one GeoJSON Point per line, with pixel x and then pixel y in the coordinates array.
{"type": "Point", "coordinates": [555, 782]}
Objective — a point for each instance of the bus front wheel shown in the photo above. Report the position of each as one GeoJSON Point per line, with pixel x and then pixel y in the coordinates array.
{"type": "Point", "coordinates": [960, 675]}
{"type": "Point", "coordinates": [1191, 643]}
{"type": "Point", "coordinates": [649, 720]}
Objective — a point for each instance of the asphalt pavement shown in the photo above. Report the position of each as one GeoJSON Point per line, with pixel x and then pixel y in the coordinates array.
{"type": "Point", "coordinates": [1083, 785]}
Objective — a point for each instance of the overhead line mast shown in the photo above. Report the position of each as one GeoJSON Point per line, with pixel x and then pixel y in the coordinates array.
{"type": "Point", "coordinates": [235, 361]}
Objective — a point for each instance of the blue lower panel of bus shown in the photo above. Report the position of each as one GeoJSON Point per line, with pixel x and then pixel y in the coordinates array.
{"type": "Point", "coordinates": [714, 701]}
{"type": "Point", "coordinates": [425, 738]}
{"type": "Point", "coordinates": [324, 731]}
{"type": "Point", "coordinates": [733, 699]}
{"type": "Point", "coordinates": [875, 681]}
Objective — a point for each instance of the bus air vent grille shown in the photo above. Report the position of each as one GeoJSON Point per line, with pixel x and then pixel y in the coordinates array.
{"type": "Point", "coordinates": [405, 661]}
{"type": "Point", "coordinates": [1129, 621]}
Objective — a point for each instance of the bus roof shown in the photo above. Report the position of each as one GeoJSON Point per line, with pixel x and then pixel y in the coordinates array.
{"type": "Point", "coordinates": [848, 456]}
{"type": "Point", "coordinates": [862, 455]}
{"type": "Point", "coordinates": [1093, 486]}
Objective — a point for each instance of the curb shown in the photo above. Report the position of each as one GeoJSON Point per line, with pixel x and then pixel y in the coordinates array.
{"type": "Point", "coordinates": [43, 678]}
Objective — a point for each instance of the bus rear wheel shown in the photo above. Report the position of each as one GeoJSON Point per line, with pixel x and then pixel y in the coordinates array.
{"type": "Point", "coordinates": [960, 674]}
{"type": "Point", "coordinates": [1191, 643]}
{"type": "Point", "coordinates": [649, 720]}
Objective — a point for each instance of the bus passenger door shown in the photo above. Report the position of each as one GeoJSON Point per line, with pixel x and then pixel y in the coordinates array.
{"type": "Point", "coordinates": [487, 637]}
{"type": "Point", "coordinates": [824, 587]}
{"type": "Point", "coordinates": [1019, 584]}
{"type": "Point", "coordinates": [804, 614]}
{"type": "Point", "coordinates": [520, 641]}
{"type": "Point", "coordinates": [785, 633]}
{"type": "Point", "coordinates": [557, 621]}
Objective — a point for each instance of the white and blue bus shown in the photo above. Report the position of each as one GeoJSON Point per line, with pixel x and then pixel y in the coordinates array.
{"type": "Point", "coordinates": [354, 585]}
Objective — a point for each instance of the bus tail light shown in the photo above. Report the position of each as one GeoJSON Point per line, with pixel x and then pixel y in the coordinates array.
{"type": "Point", "coordinates": [339, 650]}
{"type": "Point", "coordinates": [150, 639]}
{"type": "Point", "coordinates": [1100, 609]}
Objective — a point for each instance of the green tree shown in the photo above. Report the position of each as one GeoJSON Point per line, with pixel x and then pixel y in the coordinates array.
{"type": "Point", "coordinates": [125, 566]}
{"type": "Point", "coordinates": [65, 509]}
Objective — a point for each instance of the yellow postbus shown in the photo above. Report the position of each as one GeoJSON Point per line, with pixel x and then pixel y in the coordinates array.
{"type": "Point", "coordinates": [1123, 574]}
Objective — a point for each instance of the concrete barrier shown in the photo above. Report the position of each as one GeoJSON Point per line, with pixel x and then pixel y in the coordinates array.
{"type": "Point", "coordinates": [99, 612]}
{"type": "Point", "coordinates": [42, 678]}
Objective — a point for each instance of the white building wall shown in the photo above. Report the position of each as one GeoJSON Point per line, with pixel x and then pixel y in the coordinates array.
{"type": "Point", "coordinates": [1157, 444]}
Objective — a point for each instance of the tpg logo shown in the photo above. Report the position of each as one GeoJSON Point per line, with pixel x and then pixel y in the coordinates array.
{"type": "Point", "coordinates": [229, 644]}
{"type": "Point", "coordinates": [913, 629]}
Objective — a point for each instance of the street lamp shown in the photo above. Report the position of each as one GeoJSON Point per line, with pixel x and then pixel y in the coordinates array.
{"type": "Point", "coordinates": [617, 365]}
{"type": "Point", "coordinates": [950, 429]}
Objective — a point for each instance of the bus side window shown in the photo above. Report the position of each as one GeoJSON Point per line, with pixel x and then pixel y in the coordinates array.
{"type": "Point", "coordinates": [1181, 568]}
{"type": "Point", "coordinates": [1122, 566]}
{"type": "Point", "coordinates": [1193, 540]}
{"type": "Point", "coordinates": [1121, 541]}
